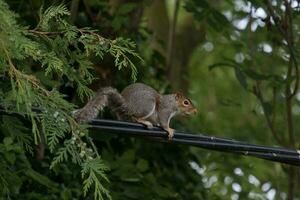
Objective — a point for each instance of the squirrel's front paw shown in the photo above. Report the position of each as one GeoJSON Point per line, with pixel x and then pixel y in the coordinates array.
{"type": "Point", "coordinates": [170, 132]}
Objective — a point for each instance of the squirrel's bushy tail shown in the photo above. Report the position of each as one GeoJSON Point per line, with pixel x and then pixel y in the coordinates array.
{"type": "Point", "coordinates": [105, 97]}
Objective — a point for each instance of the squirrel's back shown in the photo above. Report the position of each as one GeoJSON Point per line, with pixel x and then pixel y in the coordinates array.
{"type": "Point", "coordinates": [141, 100]}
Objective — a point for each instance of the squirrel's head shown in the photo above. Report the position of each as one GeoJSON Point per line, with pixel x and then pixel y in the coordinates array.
{"type": "Point", "coordinates": [184, 104]}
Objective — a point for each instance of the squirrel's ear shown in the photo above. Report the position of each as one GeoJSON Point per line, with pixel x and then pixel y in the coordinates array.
{"type": "Point", "coordinates": [178, 95]}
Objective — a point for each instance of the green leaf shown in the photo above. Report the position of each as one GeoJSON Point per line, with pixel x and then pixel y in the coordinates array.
{"type": "Point", "coordinates": [126, 8]}
{"type": "Point", "coordinates": [52, 12]}
{"type": "Point", "coordinates": [256, 76]}
{"type": "Point", "coordinates": [267, 107]}
{"type": "Point", "coordinates": [241, 77]}
{"type": "Point", "coordinates": [43, 180]}
{"type": "Point", "coordinates": [93, 172]}
{"type": "Point", "coordinates": [10, 157]}
{"type": "Point", "coordinates": [128, 155]}
{"type": "Point", "coordinates": [142, 165]}
{"type": "Point", "coordinates": [220, 18]}
{"type": "Point", "coordinates": [220, 64]}
{"type": "Point", "coordinates": [7, 141]}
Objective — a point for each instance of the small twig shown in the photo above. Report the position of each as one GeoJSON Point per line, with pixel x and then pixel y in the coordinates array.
{"type": "Point", "coordinates": [81, 31]}
{"type": "Point", "coordinates": [288, 102]}
{"type": "Point", "coordinates": [274, 16]}
{"type": "Point", "coordinates": [257, 92]}
{"type": "Point", "coordinates": [274, 92]}
{"type": "Point", "coordinates": [45, 32]}
{"type": "Point", "coordinates": [288, 36]}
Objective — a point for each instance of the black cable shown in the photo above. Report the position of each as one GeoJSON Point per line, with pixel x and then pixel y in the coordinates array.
{"type": "Point", "coordinates": [277, 154]}
{"type": "Point", "coordinates": [242, 149]}
{"type": "Point", "coordinates": [195, 137]}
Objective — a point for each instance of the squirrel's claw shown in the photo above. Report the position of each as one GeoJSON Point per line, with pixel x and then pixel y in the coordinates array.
{"type": "Point", "coordinates": [170, 132]}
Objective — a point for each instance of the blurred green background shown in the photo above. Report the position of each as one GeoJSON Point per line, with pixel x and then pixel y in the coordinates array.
{"type": "Point", "coordinates": [236, 59]}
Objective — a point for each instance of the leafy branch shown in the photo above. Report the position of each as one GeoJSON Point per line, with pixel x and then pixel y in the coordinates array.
{"type": "Point", "coordinates": [119, 48]}
{"type": "Point", "coordinates": [15, 74]}
{"type": "Point", "coordinates": [47, 48]}
{"type": "Point", "coordinates": [92, 171]}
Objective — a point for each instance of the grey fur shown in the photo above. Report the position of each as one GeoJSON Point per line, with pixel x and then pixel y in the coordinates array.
{"type": "Point", "coordinates": [136, 101]}
{"type": "Point", "coordinates": [139, 99]}
{"type": "Point", "coordinates": [167, 109]}
{"type": "Point", "coordinates": [106, 96]}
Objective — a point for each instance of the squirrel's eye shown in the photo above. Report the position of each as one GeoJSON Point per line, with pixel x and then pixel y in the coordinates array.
{"type": "Point", "coordinates": [186, 102]}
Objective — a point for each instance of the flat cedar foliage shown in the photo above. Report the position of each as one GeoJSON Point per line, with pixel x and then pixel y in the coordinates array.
{"type": "Point", "coordinates": [60, 51]}
{"type": "Point", "coordinates": [237, 59]}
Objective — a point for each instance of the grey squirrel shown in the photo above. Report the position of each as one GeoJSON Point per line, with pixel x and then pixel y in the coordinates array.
{"type": "Point", "coordinates": [140, 103]}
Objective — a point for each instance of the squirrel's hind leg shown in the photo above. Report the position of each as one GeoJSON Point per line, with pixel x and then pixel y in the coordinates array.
{"type": "Point", "coordinates": [148, 124]}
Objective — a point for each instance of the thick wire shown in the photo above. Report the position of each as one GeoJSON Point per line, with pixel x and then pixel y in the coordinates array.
{"type": "Point", "coordinates": [276, 154]}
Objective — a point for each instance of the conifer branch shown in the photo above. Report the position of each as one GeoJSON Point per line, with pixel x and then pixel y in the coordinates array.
{"type": "Point", "coordinates": [15, 73]}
